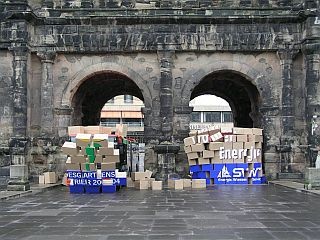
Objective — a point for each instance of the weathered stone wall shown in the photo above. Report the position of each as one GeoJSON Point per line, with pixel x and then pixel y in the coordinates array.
{"type": "Point", "coordinates": [56, 54]}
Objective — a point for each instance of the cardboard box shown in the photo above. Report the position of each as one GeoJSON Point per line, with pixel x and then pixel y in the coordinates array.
{"type": "Point", "coordinates": [111, 159]}
{"type": "Point", "coordinates": [100, 140]}
{"type": "Point", "coordinates": [216, 159]}
{"type": "Point", "coordinates": [202, 161]}
{"type": "Point", "coordinates": [69, 148]}
{"type": "Point", "coordinates": [142, 184]}
{"type": "Point", "coordinates": [242, 138]}
{"type": "Point", "coordinates": [136, 176]}
{"type": "Point", "coordinates": [193, 133]}
{"type": "Point", "coordinates": [215, 145]}
{"type": "Point", "coordinates": [150, 181]}
{"type": "Point", "coordinates": [98, 158]}
{"type": "Point", "coordinates": [189, 141]}
{"type": "Point", "coordinates": [176, 184]}
{"type": "Point", "coordinates": [207, 154]}
{"type": "Point", "coordinates": [88, 166]}
{"type": "Point", "coordinates": [156, 185]}
{"type": "Point", "coordinates": [83, 140]}
{"type": "Point", "coordinates": [78, 159]}
{"type": "Point", "coordinates": [203, 138]}
{"type": "Point", "coordinates": [255, 138]}
{"type": "Point", "coordinates": [186, 183]}
{"type": "Point", "coordinates": [192, 155]}
{"type": "Point", "coordinates": [257, 131]}
{"type": "Point", "coordinates": [192, 162]}
{"type": "Point", "coordinates": [106, 130]}
{"type": "Point", "coordinates": [41, 179]}
{"type": "Point", "coordinates": [237, 145]}
{"type": "Point", "coordinates": [73, 166]}
{"type": "Point", "coordinates": [106, 151]}
{"type": "Point", "coordinates": [198, 183]}
{"type": "Point", "coordinates": [258, 145]}
{"type": "Point", "coordinates": [242, 131]}
{"type": "Point", "coordinates": [226, 130]}
{"type": "Point", "coordinates": [93, 129]}
{"type": "Point", "coordinates": [50, 177]}
{"type": "Point", "coordinates": [187, 149]}
{"type": "Point", "coordinates": [199, 147]}
{"type": "Point", "coordinates": [108, 166]}
{"type": "Point", "coordinates": [74, 130]}
{"type": "Point", "coordinates": [217, 137]}
{"type": "Point", "coordinates": [230, 138]}
{"type": "Point", "coordinates": [212, 131]}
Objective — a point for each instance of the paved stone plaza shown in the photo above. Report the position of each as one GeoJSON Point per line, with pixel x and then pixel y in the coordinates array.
{"type": "Point", "coordinates": [221, 212]}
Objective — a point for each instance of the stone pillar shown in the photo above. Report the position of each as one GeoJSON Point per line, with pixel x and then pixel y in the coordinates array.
{"type": "Point", "coordinates": [166, 95]}
{"type": "Point", "coordinates": [63, 120]}
{"type": "Point", "coordinates": [271, 140]}
{"type": "Point", "coordinates": [312, 60]}
{"type": "Point", "coordinates": [46, 101]}
{"type": "Point", "coordinates": [19, 142]}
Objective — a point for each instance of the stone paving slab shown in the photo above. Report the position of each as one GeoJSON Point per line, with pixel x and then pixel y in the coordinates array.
{"type": "Point", "coordinates": [220, 212]}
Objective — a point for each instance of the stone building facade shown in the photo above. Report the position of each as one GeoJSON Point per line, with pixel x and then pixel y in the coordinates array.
{"type": "Point", "coordinates": [61, 60]}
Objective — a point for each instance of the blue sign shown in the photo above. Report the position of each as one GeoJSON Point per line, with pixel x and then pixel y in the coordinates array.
{"type": "Point", "coordinates": [108, 174]}
{"type": "Point", "coordinates": [74, 174]}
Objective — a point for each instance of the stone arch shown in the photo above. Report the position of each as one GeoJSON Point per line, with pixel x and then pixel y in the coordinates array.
{"type": "Point", "coordinates": [236, 74]}
{"type": "Point", "coordinates": [85, 74]}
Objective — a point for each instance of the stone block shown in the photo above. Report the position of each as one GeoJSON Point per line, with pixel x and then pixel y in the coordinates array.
{"type": "Point", "coordinates": [19, 171]}
{"type": "Point", "coordinates": [312, 176]}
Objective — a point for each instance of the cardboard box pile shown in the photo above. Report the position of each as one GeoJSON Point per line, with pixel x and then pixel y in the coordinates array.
{"type": "Point", "coordinates": [91, 161]}
{"type": "Point", "coordinates": [225, 156]}
{"type": "Point", "coordinates": [48, 178]}
{"type": "Point", "coordinates": [142, 180]}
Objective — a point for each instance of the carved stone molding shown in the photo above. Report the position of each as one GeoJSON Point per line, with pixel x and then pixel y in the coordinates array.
{"type": "Point", "coordinates": [48, 56]}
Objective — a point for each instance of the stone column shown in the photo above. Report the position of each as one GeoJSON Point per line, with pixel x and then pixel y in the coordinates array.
{"type": "Point", "coordinates": [312, 60]}
{"type": "Point", "coordinates": [19, 141]}
{"type": "Point", "coordinates": [166, 95]}
{"type": "Point", "coordinates": [46, 101]}
{"type": "Point", "coordinates": [288, 139]}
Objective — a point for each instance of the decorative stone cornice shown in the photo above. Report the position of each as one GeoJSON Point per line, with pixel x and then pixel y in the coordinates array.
{"type": "Point", "coordinates": [48, 56]}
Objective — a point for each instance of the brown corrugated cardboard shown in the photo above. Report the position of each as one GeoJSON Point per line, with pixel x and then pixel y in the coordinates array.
{"type": "Point", "coordinates": [257, 131]}
{"type": "Point", "coordinates": [216, 158]}
{"type": "Point", "coordinates": [142, 184]}
{"type": "Point", "coordinates": [186, 183]}
{"type": "Point", "coordinates": [230, 138]}
{"type": "Point", "coordinates": [203, 138]}
{"type": "Point", "coordinates": [101, 140]}
{"type": "Point", "coordinates": [50, 177]}
{"type": "Point", "coordinates": [111, 159]}
{"type": "Point", "coordinates": [199, 147]}
{"type": "Point", "coordinates": [73, 166]}
{"type": "Point", "coordinates": [130, 183]}
{"type": "Point", "coordinates": [226, 130]}
{"type": "Point", "coordinates": [74, 130]}
{"type": "Point", "coordinates": [70, 148]}
{"type": "Point", "coordinates": [187, 149]}
{"type": "Point", "coordinates": [242, 131]}
{"type": "Point", "coordinates": [77, 159]}
{"type": "Point", "coordinates": [150, 181]}
{"type": "Point", "coordinates": [228, 160]}
{"type": "Point", "coordinates": [190, 141]}
{"type": "Point", "coordinates": [192, 155]}
{"type": "Point", "coordinates": [156, 185]}
{"type": "Point", "coordinates": [83, 140]}
{"type": "Point", "coordinates": [237, 145]}
{"type": "Point", "coordinates": [242, 138]}
{"type": "Point", "coordinates": [217, 137]}
{"type": "Point", "coordinates": [41, 179]}
{"type": "Point", "coordinates": [213, 131]}
{"type": "Point", "coordinates": [207, 154]}
{"type": "Point", "coordinates": [93, 129]}
{"type": "Point", "coordinates": [108, 166]}
{"type": "Point", "coordinates": [106, 151]}
{"type": "Point", "coordinates": [176, 184]}
{"type": "Point", "coordinates": [192, 162]}
{"type": "Point", "coordinates": [136, 176]}
{"type": "Point", "coordinates": [258, 145]}
{"type": "Point", "coordinates": [98, 158]}
{"type": "Point", "coordinates": [198, 183]}
{"type": "Point", "coordinates": [255, 138]}
{"type": "Point", "coordinates": [89, 167]}
{"type": "Point", "coordinates": [202, 161]}
{"type": "Point", "coordinates": [215, 145]}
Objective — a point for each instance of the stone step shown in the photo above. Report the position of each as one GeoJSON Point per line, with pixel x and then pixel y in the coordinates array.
{"type": "Point", "coordinates": [291, 176]}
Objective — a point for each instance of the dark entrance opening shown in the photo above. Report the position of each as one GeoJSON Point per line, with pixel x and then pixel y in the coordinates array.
{"type": "Point", "coordinates": [95, 91]}
{"type": "Point", "coordinates": [242, 96]}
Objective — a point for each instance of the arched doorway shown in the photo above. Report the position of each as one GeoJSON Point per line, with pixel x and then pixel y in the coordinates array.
{"type": "Point", "coordinates": [242, 96]}
{"type": "Point", "coordinates": [95, 91]}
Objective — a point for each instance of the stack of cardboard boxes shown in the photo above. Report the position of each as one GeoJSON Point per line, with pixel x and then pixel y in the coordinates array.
{"type": "Point", "coordinates": [226, 155]}
{"type": "Point", "coordinates": [91, 161]}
